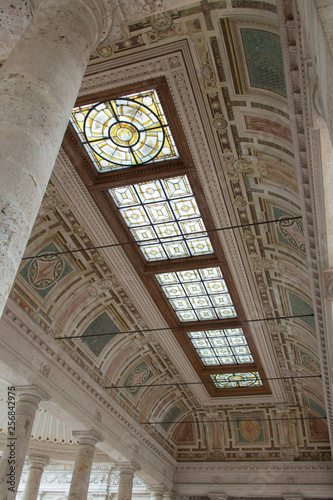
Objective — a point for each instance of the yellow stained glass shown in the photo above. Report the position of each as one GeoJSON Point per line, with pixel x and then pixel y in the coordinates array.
{"type": "Point", "coordinates": [229, 346]}
{"type": "Point", "coordinates": [124, 132]}
{"type": "Point", "coordinates": [231, 380]}
{"type": "Point", "coordinates": [166, 210]}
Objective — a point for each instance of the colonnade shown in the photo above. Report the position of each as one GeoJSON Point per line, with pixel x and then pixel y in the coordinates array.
{"type": "Point", "coordinates": [24, 406]}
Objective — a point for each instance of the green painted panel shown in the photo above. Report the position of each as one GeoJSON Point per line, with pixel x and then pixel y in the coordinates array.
{"type": "Point", "coordinates": [44, 272]}
{"type": "Point", "coordinates": [102, 324]}
{"type": "Point", "coordinates": [171, 416]}
{"type": "Point", "coordinates": [300, 306]}
{"type": "Point", "coordinates": [264, 60]}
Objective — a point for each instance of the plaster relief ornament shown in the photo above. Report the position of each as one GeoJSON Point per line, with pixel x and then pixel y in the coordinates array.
{"type": "Point", "coordinates": [244, 167]}
{"type": "Point", "coordinates": [220, 123]}
{"type": "Point", "coordinates": [161, 22]}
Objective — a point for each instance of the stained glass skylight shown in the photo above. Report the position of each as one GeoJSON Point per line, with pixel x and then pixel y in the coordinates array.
{"type": "Point", "coordinates": [221, 347]}
{"type": "Point", "coordinates": [124, 132]}
{"type": "Point", "coordinates": [198, 294]}
{"type": "Point", "coordinates": [164, 218]}
{"type": "Point", "coordinates": [230, 380]}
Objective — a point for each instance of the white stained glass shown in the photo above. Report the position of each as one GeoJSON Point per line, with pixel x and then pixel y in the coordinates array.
{"type": "Point", "coordinates": [237, 340]}
{"type": "Point", "coordinates": [216, 286]}
{"type": "Point", "coordinates": [193, 289]}
{"type": "Point", "coordinates": [206, 314]}
{"type": "Point", "coordinates": [210, 361]}
{"type": "Point", "coordinates": [187, 276]}
{"type": "Point", "coordinates": [177, 187]}
{"type": "Point", "coordinates": [174, 291]}
{"type": "Point", "coordinates": [186, 315]}
{"type": "Point", "coordinates": [200, 246]}
{"type": "Point", "coordinates": [166, 278]}
{"type": "Point", "coordinates": [241, 350]}
{"type": "Point", "coordinates": [144, 234]}
{"type": "Point", "coordinates": [185, 208]}
{"type": "Point", "coordinates": [176, 250]}
{"type": "Point", "coordinates": [226, 312]}
{"type": "Point", "coordinates": [196, 335]}
{"type": "Point", "coordinates": [150, 192]}
{"type": "Point", "coordinates": [135, 216]}
{"type": "Point", "coordinates": [199, 302]}
{"type": "Point", "coordinates": [153, 252]}
{"type": "Point", "coordinates": [168, 231]}
{"type": "Point", "coordinates": [218, 342]}
{"type": "Point", "coordinates": [223, 351]}
{"type": "Point", "coordinates": [125, 196]}
{"type": "Point", "coordinates": [227, 360]}
{"type": "Point", "coordinates": [180, 304]}
{"type": "Point", "coordinates": [200, 343]}
{"type": "Point", "coordinates": [221, 300]}
{"type": "Point", "coordinates": [205, 352]}
{"type": "Point", "coordinates": [244, 359]}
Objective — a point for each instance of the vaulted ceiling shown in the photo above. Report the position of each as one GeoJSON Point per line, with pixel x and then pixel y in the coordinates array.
{"type": "Point", "coordinates": [225, 74]}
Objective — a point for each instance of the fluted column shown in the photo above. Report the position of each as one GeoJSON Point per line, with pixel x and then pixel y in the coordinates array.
{"type": "Point", "coordinates": [36, 468]}
{"type": "Point", "coordinates": [126, 477]}
{"type": "Point", "coordinates": [39, 83]}
{"type": "Point", "coordinates": [83, 462]}
{"type": "Point", "coordinates": [27, 399]}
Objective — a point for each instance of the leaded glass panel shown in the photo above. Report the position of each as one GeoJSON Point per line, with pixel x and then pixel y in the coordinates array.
{"type": "Point", "coordinates": [231, 380]}
{"type": "Point", "coordinates": [228, 346]}
{"type": "Point", "coordinates": [124, 132]}
{"type": "Point", "coordinates": [164, 219]}
{"type": "Point", "coordinates": [198, 294]}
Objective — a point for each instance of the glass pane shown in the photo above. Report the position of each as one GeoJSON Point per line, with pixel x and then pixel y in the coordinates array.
{"type": "Point", "coordinates": [125, 132]}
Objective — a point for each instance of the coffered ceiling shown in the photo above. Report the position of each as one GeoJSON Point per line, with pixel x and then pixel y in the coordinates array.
{"type": "Point", "coordinates": [222, 73]}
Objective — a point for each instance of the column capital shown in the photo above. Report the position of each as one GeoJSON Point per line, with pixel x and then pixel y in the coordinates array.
{"type": "Point", "coordinates": [38, 461]}
{"type": "Point", "coordinates": [90, 437]}
{"type": "Point", "coordinates": [218, 496]}
{"type": "Point", "coordinates": [156, 488]}
{"type": "Point", "coordinates": [293, 496]}
{"type": "Point", "coordinates": [30, 394]}
{"type": "Point", "coordinates": [171, 495]}
{"type": "Point", "coordinates": [128, 467]}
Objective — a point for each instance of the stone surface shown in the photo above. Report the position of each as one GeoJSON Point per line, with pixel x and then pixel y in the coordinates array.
{"type": "Point", "coordinates": [36, 468]}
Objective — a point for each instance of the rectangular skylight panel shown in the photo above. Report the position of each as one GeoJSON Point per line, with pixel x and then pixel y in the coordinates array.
{"type": "Point", "coordinates": [202, 290]}
{"type": "Point", "coordinates": [167, 211]}
{"type": "Point", "coordinates": [233, 380]}
{"type": "Point", "coordinates": [229, 345]}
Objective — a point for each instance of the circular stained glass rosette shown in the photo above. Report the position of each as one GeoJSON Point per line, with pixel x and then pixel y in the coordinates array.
{"type": "Point", "coordinates": [124, 131]}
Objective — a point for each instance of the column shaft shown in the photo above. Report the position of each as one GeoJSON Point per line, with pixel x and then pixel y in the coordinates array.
{"type": "Point", "coordinates": [82, 467]}
{"type": "Point", "coordinates": [36, 469]}
{"type": "Point", "coordinates": [125, 485]}
{"type": "Point", "coordinates": [39, 83]}
{"type": "Point", "coordinates": [16, 447]}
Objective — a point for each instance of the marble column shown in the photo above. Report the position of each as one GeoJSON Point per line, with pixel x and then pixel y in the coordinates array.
{"type": "Point", "coordinates": [83, 462]}
{"type": "Point", "coordinates": [27, 399]}
{"type": "Point", "coordinates": [39, 83]}
{"type": "Point", "coordinates": [36, 468]}
{"type": "Point", "coordinates": [156, 491]}
{"type": "Point", "coordinates": [126, 477]}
